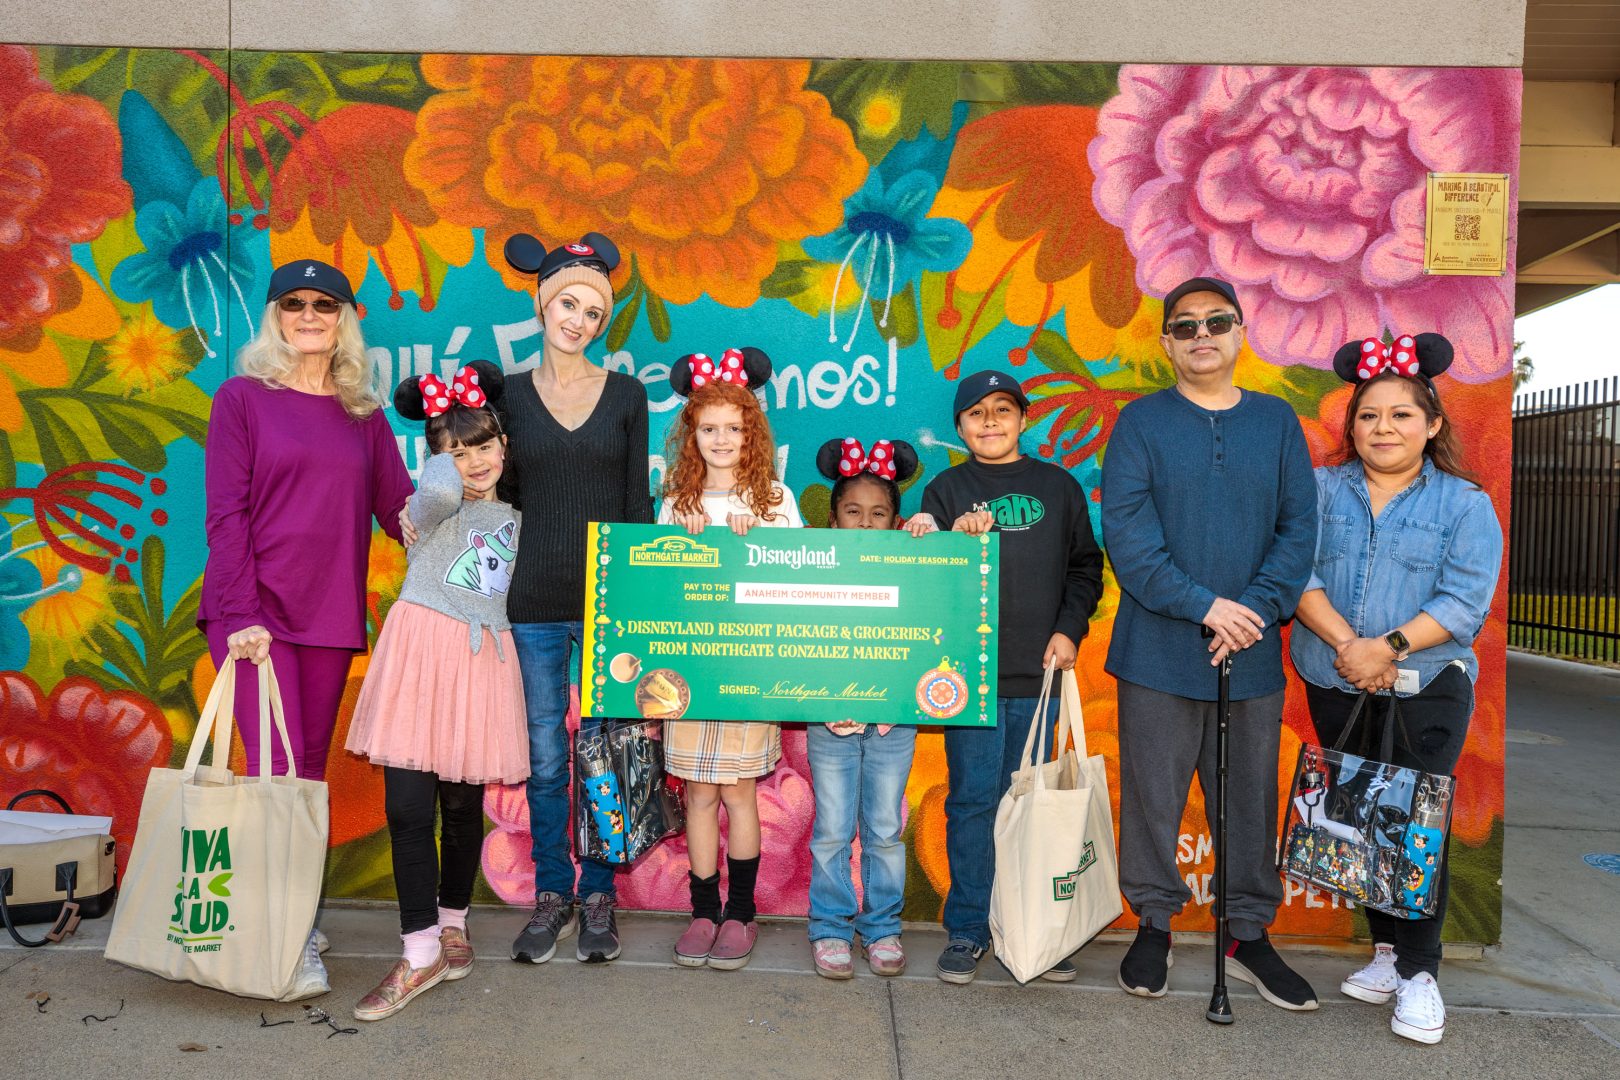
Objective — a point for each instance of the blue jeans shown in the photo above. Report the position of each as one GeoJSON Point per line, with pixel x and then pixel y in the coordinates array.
{"type": "Point", "coordinates": [546, 654]}
{"type": "Point", "coordinates": [860, 782]}
{"type": "Point", "coordinates": [980, 764]}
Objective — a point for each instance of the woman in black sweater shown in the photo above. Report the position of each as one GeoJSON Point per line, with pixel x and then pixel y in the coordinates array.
{"type": "Point", "coordinates": [579, 443]}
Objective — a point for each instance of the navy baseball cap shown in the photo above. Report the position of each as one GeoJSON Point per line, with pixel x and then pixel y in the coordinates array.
{"type": "Point", "coordinates": [981, 384]}
{"type": "Point", "coordinates": [309, 274]}
{"type": "Point", "coordinates": [1200, 284]}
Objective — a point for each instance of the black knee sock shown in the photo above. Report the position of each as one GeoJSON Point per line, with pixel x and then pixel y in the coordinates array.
{"type": "Point", "coordinates": [740, 889]}
{"type": "Point", "coordinates": [705, 896]}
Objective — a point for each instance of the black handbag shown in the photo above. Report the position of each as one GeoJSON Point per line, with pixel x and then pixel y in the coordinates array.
{"type": "Point", "coordinates": [624, 801]}
{"type": "Point", "coordinates": [56, 881]}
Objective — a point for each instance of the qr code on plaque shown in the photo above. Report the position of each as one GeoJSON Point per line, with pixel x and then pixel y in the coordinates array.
{"type": "Point", "coordinates": [1467, 227]}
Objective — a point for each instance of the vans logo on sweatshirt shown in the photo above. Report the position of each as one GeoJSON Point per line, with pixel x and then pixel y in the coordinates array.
{"type": "Point", "coordinates": [1014, 512]}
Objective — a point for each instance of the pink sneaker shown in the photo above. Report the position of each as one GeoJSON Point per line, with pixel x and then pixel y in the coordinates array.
{"type": "Point", "coordinates": [732, 945]}
{"type": "Point", "coordinates": [693, 948]}
{"type": "Point", "coordinates": [458, 952]}
{"type": "Point", "coordinates": [886, 957]}
{"type": "Point", "coordinates": [832, 958]}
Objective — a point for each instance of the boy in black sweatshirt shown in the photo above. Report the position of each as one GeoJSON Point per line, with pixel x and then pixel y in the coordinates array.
{"type": "Point", "coordinates": [1051, 579]}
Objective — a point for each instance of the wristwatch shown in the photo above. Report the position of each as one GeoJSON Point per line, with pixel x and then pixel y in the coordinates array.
{"type": "Point", "coordinates": [1397, 644]}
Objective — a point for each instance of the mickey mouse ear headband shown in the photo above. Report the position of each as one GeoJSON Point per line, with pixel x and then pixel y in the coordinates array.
{"type": "Point", "coordinates": [746, 366]}
{"type": "Point", "coordinates": [890, 459]}
{"type": "Point", "coordinates": [527, 255]}
{"type": "Point", "coordinates": [475, 385]}
{"type": "Point", "coordinates": [1421, 356]}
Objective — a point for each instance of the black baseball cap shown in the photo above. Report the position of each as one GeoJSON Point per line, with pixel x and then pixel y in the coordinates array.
{"type": "Point", "coordinates": [1200, 284]}
{"type": "Point", "coordinates": [981, 384]}
{"type": "Point", "coordinates": [309, 274]}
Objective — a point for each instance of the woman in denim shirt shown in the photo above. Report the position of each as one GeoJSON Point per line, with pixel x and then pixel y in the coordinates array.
{"type": "Point", "coordinates": [1407, 557]}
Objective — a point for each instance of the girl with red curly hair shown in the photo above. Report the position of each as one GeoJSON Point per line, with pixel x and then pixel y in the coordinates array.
{"type": "Point", "coordinates": [722, 472]}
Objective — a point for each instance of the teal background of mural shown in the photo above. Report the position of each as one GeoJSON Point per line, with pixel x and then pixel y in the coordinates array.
{"type": "Point", "coordinates": [874, 234]}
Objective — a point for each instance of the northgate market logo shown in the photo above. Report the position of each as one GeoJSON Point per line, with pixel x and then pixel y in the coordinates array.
{"type": "Point", "coordinates": [202, 898]}
{"type": "Point", "coordinates": [1064, 885]}
{"type": "Point", "coordinates": [674, 551]}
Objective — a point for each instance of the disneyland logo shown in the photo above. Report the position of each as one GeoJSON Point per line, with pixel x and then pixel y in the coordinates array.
{"type": "Point", "coordinates": [794, 558]}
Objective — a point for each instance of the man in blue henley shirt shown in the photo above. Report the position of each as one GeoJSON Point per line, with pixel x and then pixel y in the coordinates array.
{"type": "Point", "coordinates": [1209, 517]}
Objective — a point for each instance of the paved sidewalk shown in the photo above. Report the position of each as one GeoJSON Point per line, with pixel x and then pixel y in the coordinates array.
{"type": "Point", "coordinates": [1547, 1004]}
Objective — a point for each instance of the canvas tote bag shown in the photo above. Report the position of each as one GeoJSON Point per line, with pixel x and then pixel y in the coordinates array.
{"type": "Point", "coordinates": [1057, 876]}
{"type": "Point", "coordinates": [225, 872]}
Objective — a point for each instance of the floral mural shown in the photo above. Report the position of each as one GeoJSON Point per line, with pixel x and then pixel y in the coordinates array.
{"type": "Point", "coordinates": [873, 233]}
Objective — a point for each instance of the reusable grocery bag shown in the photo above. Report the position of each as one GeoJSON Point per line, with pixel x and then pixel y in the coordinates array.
{"type": "Point", "coordinates": [225, 873]}
{"type": "Point", "coordinates": [624, 802]}
{"type": "Point", "coordinates": [1057, 877]}
{"type": "Point", "coordinates": [1365, 829]}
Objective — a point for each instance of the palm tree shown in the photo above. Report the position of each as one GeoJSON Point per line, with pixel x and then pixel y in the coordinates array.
{"type": "Point", "coordinates": [1524, 368]}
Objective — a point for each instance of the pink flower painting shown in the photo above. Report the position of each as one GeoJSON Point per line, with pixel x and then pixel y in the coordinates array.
{"type": "Point", "coordinates": [658, 880]}
{"type": "Point", "coordinates": [1304, 187]}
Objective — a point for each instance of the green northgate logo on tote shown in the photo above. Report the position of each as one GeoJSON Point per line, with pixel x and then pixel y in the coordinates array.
{"type": "Point", "coordinates": [1064, 886]}
{"type": "Point", "coordinates": [202, 908]}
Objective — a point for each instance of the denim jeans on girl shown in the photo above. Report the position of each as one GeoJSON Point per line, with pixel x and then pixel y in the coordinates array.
{"type": "Point", "coordinates": [860, 783]}
{"type": "Point", "coordinates": [980, 763]}
{"type": "Point", "coordinates": [546, 655]}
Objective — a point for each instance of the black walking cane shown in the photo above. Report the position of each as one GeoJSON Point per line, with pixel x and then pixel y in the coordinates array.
{"type": "Point", "coordinates": [1220, 1009]}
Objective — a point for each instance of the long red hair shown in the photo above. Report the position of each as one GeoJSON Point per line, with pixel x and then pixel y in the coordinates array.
{"type": "Point", "coordinates": [756, 465]}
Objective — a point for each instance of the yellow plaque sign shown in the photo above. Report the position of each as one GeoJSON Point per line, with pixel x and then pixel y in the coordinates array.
{"type": "Point", "coordinates": [1465, 225]}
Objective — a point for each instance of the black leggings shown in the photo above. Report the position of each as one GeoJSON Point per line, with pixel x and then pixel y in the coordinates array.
{"type": "Point", "coordinates": [1437, 719]}
{"type": "Point", "coordinates": [411, 799]}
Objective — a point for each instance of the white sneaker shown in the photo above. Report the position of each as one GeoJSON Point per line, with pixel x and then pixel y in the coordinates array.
{"type": "Point", "coordinates": [311, 980]}
{"type": "Point", "coordinates": [1375, 983]}
{"type": "Point", "coordinates": [1420, 1015]}
{"type": "Point", "coordinates": [321, 942]}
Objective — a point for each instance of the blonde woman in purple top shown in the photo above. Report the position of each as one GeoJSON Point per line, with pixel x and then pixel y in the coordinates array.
{"type": "Point", "coordinates": [299, 461]}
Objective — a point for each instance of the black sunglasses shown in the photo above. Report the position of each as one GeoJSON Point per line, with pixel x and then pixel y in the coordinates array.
{"type": "Point", "coordinates": [1187, 329]}
{"type": "Point", "coordinates": [325, 305]}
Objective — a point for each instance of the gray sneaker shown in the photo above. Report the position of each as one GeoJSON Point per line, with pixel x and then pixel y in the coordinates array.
{"type": "Point", "coordinates": [599, 931]}
{"type": "Point", "coordinates": [959, 962]}
{"type": "Point", "coordinates": [553, 918]}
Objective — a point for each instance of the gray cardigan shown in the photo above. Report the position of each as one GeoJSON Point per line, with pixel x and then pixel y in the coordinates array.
{"type": "Point", "coordinates": [462, 565]}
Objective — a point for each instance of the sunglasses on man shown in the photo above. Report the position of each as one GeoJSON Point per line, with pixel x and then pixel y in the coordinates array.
{"type": "Point", "coordinates": [325, 305]}
{"type": "Point", "coordinates": [1187, 329]}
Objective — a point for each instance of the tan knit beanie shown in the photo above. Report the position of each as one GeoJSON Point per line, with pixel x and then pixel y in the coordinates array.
{"type": "Point", "coordinates": [579, 274]}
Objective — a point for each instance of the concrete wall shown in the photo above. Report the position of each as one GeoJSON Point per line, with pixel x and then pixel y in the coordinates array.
{"type": "Point", "coordinates": [1437, 33]}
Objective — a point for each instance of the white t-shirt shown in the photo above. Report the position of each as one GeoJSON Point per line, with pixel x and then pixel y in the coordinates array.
{"type": "Point", "coordinates": [718, 504]}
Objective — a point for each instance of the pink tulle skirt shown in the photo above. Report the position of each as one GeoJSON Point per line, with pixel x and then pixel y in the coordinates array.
{"type": "Point", "coordinates": [431, 704]}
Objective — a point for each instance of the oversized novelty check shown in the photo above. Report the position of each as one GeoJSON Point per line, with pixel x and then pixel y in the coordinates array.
{"type": "Point", "coordinates": [811, 625]}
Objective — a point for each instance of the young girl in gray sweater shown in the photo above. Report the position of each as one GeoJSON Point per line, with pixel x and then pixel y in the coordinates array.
{"type": "Point", "coordinates": [442, 706]}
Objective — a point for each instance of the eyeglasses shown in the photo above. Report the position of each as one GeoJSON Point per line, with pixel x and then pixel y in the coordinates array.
{"type": "Point", "coordinates": [325, 305]}
{"type": "Point", "coordinates": [1187, 329]}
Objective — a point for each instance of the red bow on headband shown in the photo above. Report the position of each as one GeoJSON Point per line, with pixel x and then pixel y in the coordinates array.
{"type": "Point", "coordinates": [437, 398]}
{"type": "Point", "coordinates": [880, 462]}
{"type": "Point", "coordinates": [729, 369]}
{"type": "Point", "coordinates": [1399, 355]}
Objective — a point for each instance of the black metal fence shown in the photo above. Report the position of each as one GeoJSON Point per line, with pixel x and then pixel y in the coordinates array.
{"type": "Point", "coordinates": [1564, 540]}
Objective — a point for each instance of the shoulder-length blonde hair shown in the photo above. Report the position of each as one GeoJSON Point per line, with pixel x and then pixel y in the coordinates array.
{"type": "Point", "coordinates": [270, 358]}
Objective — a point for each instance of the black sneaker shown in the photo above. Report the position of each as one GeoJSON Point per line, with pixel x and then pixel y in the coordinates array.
{"type": "Point", "coordinates": [553, 918]}
{"type": "Point", "coordinates": [1062, 971]}
{"type": "Point", "coordinates": [1257, 963]}
{"type": "Point", "coordinates": [598, 931]}
{"type": "Point", "coordinates": [959, 962]}
{"type": "Point", "coordinates": [1145, 971]}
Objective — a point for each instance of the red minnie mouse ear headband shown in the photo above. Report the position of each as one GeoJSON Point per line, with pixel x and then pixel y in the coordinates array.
{"type": "Point", "coordinates": [475, 385]}
{"type": "Point", "coordinates": [1422, 356]}
{"type": "Point", "coordinates": [890, 459]}
{"type": "Point", "coordinates": [747, 366]}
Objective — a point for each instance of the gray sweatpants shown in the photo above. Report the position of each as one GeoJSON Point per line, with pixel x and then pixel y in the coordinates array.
{"type": "Point", "coordinates": [1162, 740]}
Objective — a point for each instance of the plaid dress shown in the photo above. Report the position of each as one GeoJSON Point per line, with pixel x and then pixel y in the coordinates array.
{"type": "Point", "coordinates": [715, 751]}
